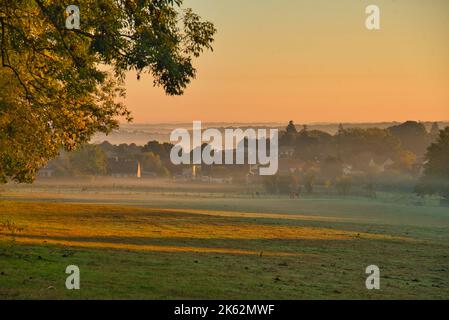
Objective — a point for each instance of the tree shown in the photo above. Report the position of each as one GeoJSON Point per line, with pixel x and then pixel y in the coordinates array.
{"type": "Point", "coordinates": [331, 168]}
{"type": "Point", "coordinates": [89, 159]}
{"type": "Point", "coordinates": [287, 137]}
{"type": "Point", "coordinates": [291, 128]}
{"type": "Point", "coordinates": [357, 146]}
{"type": "Point", "coordinates": [305, 145]}
{"type": "Point", "coordinates": [405, 161]}
{"type": "Point", "coordinates": [435, 179]}
{"type": "Point", "coordinates": [150, 162]}
{"type": "Point", "coordinates": [413, 136]}
{"type": "Point", "coordinates": [309, 179]}
{"type": "Point", "coordinates": [270, 183]}
{"type": "Point", "coordinates": [434, 132]}
{"type": "Point", "coordinates": [56, 90]}
{"type": "Point", "coordinates": [343, 185]}
{"type": "Point", "coordinates": [287, 184]}
{"type": "Point", "coordinates": [161, 149]}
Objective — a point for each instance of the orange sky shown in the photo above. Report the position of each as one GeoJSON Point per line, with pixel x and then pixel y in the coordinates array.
{"type": "Point", "coordinates": [311, 61]}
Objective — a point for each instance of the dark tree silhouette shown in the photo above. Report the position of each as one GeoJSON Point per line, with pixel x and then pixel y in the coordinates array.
{"type": "Point", "coordinates": [435, 179]}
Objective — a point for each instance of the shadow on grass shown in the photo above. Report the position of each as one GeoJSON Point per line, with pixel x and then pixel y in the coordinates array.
{"type": "Point", "coordinates": [268, 247]}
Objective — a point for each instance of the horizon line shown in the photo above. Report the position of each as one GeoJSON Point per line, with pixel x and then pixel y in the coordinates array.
{"type": "Point", "coordinates": [281, 122]}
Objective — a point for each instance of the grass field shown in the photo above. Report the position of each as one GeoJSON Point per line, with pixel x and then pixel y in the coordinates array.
{"type": "Point", "coordinates": [218, 246]}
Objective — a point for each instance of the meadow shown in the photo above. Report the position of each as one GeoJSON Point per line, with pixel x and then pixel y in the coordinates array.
{"type": "Point", "coordinates": [163, 240]}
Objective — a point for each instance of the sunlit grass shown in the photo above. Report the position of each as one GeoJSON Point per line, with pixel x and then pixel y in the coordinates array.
{"type": "Point", "coordinates": [89, 225]}
{"type": "Point", "coordinates": [133, 252]}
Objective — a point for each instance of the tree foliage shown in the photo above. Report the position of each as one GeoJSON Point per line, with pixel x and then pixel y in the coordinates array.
{"type": "Point", "coordinates": [60, 86]}
{"type": "Point", "coordinates": [343, 185]}
{"type": "Point", "coordinates": [435, 179]}
{"type": "Point", "coordinates": [413, 136]}
{"type": "Point", "coordinates": [88, 160]}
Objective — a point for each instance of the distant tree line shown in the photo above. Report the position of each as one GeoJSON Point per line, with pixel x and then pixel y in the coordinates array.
{"type": "Point", "coordinates": [370, 159]}
{"type": "Point", "coordinates": [108, 159]}
{"type": "Point", "coordinates": [405, 156]}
